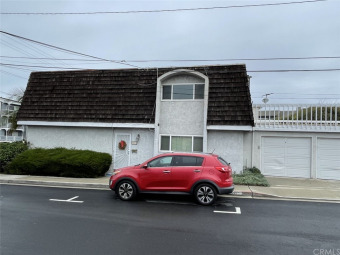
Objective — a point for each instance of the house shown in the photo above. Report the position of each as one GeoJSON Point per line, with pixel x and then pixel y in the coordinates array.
{"type": "Point", "coordinates": [8, 107]}
{"type": "Point", "coordinates": [134, 114]}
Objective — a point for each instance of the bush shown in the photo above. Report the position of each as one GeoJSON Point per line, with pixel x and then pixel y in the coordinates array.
{"type": "Point", "coordinates": [60, 162]}
{"type": "Point", "coordinates": [8, 151]}
{"type": "Point", "coordinates": [253, 170]}
{"type": "Point", "coordinates": [250, 176]}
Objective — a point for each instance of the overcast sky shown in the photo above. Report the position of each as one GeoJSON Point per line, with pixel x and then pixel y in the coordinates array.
{"type": "Point", "coordinates": [310, 29]}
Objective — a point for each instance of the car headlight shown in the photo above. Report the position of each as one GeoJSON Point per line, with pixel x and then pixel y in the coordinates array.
{"type": "Point", "coordinates": [116, 172]}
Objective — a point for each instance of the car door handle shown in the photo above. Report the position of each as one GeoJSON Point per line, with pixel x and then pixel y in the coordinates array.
{"type": "Point", "coordinates": [197, 170]}
{"type": "Point", "coordinates": [167, 171]}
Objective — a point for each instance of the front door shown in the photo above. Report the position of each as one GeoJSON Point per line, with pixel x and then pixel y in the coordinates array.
{"type": "Point", "coordinates": [122, 150]}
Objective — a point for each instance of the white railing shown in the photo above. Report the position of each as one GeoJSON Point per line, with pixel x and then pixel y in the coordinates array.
{"type": "Point", "coordinates": [9, 125]}
{"type": "Point", "coordinates": [305, 117]}
{"type": "Point", "coordinates": [4, 138]}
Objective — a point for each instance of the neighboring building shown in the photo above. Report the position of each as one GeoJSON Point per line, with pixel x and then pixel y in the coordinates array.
{"type": "Point", "coordinates": [7, 108]}
{"type": "Point", "coordinates": [134, 114]}
{"type": "Point", "coordinates": [297, 140]}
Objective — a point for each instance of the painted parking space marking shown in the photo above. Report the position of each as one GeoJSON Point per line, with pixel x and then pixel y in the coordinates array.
{"type": "Point", "coordinates": [71, 200]}
{"type": "Point", "coordinates": [238, 211]}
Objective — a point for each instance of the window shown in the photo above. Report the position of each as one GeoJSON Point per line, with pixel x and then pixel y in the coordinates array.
{"type": "Point", "coordinates": [223, 161]}
{"type": "Point", "coordinates": [198, 144]}
{"type": "Point", "coordinates": [187, 161]}
{"type": "Point", "coordinates": [160, 162]}
{"type": "Point", "coordinates": [183, 92]}
{"type": "Point", "coordinates": [181, 143]}
{"type": "Point", "coordinates": [167, 92]}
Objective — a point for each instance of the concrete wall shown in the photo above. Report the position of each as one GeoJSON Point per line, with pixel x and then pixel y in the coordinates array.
{"type": "Point", "coordinates": [229, 145]}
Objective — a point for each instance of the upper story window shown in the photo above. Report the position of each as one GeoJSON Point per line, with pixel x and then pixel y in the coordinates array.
{"type": "Point", "coordinates": [183, 92]}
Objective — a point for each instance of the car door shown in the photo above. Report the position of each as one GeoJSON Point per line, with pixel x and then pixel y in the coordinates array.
{"type": "Point", "coordinates": [185, 171]}
{"type": "Point", "coordinates": [157, 174]}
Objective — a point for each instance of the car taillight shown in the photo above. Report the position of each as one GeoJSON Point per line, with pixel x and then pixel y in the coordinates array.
{"type": "Point", "coordinates": [223, 169]}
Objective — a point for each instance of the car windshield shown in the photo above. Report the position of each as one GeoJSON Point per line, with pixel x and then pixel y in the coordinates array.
{"type": "Point", "coordinates": [223, 161]}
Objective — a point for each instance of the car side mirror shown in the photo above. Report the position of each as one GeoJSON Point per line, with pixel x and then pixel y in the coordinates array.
{"type": "Point", "coordinates": [145, 166]}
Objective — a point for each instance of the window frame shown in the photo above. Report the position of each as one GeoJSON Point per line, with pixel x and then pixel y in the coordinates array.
{"type": "Point", "coordinates": [184, 84]}
{"type": "Point", "coordinates": [170, 141]}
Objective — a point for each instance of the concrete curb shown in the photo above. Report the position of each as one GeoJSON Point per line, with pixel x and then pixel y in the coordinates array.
{"type": "Point", "coordinates": [57, 184]}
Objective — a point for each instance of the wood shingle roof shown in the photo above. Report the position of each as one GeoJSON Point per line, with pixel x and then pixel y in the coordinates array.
{"type": "Point", "coordinates": [129, 95]}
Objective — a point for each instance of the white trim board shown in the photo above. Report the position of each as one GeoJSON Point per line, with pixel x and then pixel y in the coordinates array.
{"type": "Point", "coordinates": [229, 128]}
{"type": "Point", "coordinates": [85, 124]}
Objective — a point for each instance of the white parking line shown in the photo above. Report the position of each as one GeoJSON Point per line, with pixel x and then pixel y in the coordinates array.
{"type": "Point", "coordinates": [238, 211]}
{"type": "Point", "coordinates": [71, 200]}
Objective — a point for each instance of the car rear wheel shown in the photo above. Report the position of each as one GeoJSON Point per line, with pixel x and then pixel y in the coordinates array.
{"type": "Point", "coordinates": [205, 194]}
{"type": "Point", "coordinates": [126, 190]}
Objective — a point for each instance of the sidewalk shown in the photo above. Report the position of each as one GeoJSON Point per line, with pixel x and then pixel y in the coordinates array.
{"type": "Point", "coordinates": [286, 188]}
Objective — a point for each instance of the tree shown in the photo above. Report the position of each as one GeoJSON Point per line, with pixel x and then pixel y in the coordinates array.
{"type": "Point", "coordinates": [17, 95]}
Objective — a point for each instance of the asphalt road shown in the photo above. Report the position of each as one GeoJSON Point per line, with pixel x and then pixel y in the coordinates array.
{"type": "Point", "coordinates": [34, 221]}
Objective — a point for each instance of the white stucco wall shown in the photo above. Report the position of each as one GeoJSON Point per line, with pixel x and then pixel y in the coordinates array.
{"type": "Point", "coordinates": [182, 117]}
{"type": "Point", "coordinates": [228, 145]}
{"type": "Point", "coordinates": [90, 138]}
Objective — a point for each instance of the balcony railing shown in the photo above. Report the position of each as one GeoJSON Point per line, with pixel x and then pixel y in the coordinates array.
{"type": "Point", "coordinates": [8, 126]}
{"type": "Point", "coordinates": [10, 138]}
{"type": "Point", "coordinates": [297, 117]}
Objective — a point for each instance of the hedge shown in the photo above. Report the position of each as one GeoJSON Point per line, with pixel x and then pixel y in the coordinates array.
{"type": "Point", "coordinates": [250, 176]}
{"type": "Point", "coordinates": [8, 151]}
{"type": "Point", "coordinates": [60, 162]}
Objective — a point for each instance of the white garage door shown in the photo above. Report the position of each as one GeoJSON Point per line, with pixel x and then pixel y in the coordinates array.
{"type": "Point", "coordinates": [286, 156]}
{"type": "Point", "coordinates": [328, 158]}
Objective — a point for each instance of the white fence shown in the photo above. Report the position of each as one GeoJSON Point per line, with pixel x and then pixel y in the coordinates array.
{"type": "Point", "coordinates": [305, 117]}
{"type": "Point", "coordinates": [10, 138]}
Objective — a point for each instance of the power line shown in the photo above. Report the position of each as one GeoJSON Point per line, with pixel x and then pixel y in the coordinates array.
{"type": "Point", "coordinates": [65, 50]}
{"type": "Point", "coordinates": [295, 70]}
{"type": "Point", "coordinates": [184, 60]}
{"type": "Point", "coordinates": [230, 71]}
{"type": "Point", "coordinates": [49, 67]}
{"type": "Point", "coordinates": [158, 11]}
{"type": "Point", "coordinates": [297, 94]}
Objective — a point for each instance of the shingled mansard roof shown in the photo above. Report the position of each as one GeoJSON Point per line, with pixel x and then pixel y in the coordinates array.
{"type": "Point", "coordinates": [129, 95]}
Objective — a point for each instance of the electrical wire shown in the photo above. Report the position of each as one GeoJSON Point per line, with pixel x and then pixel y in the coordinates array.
{"type": "Point", "coordinates": [65, 50]}
{"type": "Point", "coordinates": [158, 11]}
{"type": "Point", "coordinates": [186, 60]}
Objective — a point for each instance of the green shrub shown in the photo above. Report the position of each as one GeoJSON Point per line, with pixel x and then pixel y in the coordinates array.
{"type": "Point", "coordinates": [253, 170]}
{"type": "Point", "coordinates": [250, 176]}
{"type": "Point", "coordinates": [8, 151]}
{"type": "Point", "coordinates": [60, 162]}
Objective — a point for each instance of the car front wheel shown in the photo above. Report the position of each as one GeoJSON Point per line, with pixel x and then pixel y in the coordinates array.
{"type": "Point", "coordinates": [205, 194]}
{"type": "Point", "coordinates": [126, 190]}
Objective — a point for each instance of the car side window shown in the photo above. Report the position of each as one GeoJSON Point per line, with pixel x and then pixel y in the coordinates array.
{"type": "Point", "coordinates": [161, 162]}
{"type": "Point", "coordinates": [188, 161]}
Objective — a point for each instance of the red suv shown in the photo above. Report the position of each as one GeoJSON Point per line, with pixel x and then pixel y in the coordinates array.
{"type": "Point", "coordinates": [203, 175]}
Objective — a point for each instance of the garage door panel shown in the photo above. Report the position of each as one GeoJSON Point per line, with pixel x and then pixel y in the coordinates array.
{"type": "Point", "coordinates": [328, 158]}
{"type": "Point", "coordinates": [286, 156]}
{"type": "Point", "coordinates": [272, 156]}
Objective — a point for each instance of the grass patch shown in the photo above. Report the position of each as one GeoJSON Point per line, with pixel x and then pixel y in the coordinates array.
{"type": "Point", "coordinates": [252, 177]}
